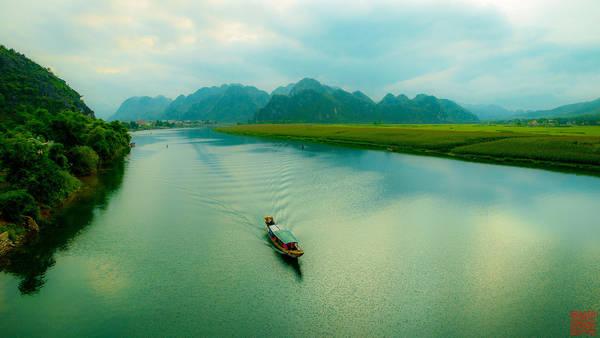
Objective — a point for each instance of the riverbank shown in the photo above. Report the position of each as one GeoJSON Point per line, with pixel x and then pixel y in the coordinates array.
{"type": "Point", "coordinates": [18, 234]}
{"type": "Point", "coordinates": [575, 149]}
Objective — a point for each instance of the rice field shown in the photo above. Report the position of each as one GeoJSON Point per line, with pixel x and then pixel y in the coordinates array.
{"type": "Point", "coordinates": [574, 148]}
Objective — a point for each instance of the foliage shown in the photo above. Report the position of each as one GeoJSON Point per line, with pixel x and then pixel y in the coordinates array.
{"type": "Point", "coordinates": [14, 230]}
{"type": "Point", "coordinates": [161, 124]}
{"type": "Point", "coordinates": [15, 203]}
{"type": "Point", "coordinates": [47, 136]}
{"type": "Point", "coordinates": [46, 181]}
{"type": "Point", "coordinates": [56, 153]}
{"type": "Point", "coordinates": [84, 160]}
{"type": "Point", "coordinates": [109, 140]}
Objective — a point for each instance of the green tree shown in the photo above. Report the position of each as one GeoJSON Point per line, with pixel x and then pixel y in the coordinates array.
{"type": "Point", "coordinates": [84, 160]}
{"type": "Point", "coordinates": [15, 203]}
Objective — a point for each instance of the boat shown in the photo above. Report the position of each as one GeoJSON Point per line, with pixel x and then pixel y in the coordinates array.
{"type": "Point", "coordinates": [283, 239]}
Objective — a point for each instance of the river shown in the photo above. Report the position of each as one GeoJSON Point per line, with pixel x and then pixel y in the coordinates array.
{"type": "Point", "coordinates": [172, 243]}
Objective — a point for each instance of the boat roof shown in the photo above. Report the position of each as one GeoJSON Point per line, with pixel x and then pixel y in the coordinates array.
{"type": "Point", "coordinates": [286, 236]}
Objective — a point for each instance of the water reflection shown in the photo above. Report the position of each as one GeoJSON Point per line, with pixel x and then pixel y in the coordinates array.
{"type": "Point", "coordinates": [292, 264]}
{"type": "Point", "coordinates": [31, 262]}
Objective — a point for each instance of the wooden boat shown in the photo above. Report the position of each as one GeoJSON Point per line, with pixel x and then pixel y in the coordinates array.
{"type": "Point", "coordinates": [283, 239]}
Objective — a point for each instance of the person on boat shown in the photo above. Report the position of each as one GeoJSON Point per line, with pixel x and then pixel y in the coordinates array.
{"type": "Point", "coordinates": [269, 220]}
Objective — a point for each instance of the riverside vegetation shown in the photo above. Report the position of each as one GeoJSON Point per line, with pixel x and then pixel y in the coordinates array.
{"type": "Point", "coordinates": [572, 148]}
{"type": "Point", "coordinates": [48, 138]}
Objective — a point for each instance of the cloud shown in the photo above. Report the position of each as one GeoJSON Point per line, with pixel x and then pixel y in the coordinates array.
{"type": "Point", "coordinates": [109, 70]}
{"type": "Point", "coordinates": [523, 54]}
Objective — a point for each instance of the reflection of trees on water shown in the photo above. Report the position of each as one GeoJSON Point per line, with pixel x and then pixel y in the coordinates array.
{"type": "Point", "coordinates": [33, 260]}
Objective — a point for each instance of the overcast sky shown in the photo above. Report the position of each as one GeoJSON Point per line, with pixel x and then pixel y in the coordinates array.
{"type": "Point", "coordinates": [517, 53]}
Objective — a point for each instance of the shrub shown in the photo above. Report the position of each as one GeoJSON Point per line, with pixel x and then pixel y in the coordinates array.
{"type": "Point", "coordinates": [14, 230]}
{"type": "Point", "coordinates": [16, 203]}
{"type": "Point", "coordinates": [56, 153]}
{"type": "Point", "coordinates": [45, 181]}
{"type": "Point", "coordinates": [84, 160]}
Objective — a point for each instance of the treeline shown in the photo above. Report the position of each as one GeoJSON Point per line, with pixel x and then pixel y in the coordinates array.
{"type": "Point", "coordinates": [42, 153]}
{"type": "Point", "coordinates": [592, 119]}
{"type": "Point", "coordinates": [161, 124]}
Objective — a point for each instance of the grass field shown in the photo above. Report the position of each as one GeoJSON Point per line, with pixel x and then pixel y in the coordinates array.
{"type": "Point", "coordinates": [571, 148]}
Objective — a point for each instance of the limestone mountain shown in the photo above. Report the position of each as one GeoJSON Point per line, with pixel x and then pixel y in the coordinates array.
{"type": "Point", "coordinates": [142, 107]}
{"type": "Point", "coordinates": [422, 109]}
{"type": "Point", "coordinates": [312, 102]}
{"type": "Point", "coordinates": [283, 90]}
{"type": "Point", "coordinates": [227, 103]}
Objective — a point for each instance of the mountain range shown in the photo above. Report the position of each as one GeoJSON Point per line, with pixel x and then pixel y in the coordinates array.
{"type": "Point", "coordinates": [305, 101]}
{"type": "Point", "coordinates": [226, 103]}
{"type": "Point", "coordinates": [310, 101]}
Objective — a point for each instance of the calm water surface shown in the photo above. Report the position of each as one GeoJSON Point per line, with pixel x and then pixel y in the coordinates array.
{"type": "Point", "coordinates": [172, 244]}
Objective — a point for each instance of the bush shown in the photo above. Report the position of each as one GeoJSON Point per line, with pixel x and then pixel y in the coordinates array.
{"type": "Point", "coordinates": [109, 140]}
{"type": "Point", "coordinates": [39, 150]}
{"type": "Point", "coordinates": [45, 181]}
{"type": "Point", "coordinates": [15, 203]}
{"type": "Point", "coordinates": [84, 160]}
{"type": "Point", "coordinates": [14, 231]}
{"type": "Point", "coordinates": [56, 153]}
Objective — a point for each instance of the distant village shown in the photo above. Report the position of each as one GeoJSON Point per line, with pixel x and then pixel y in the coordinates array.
{"type": "Point", "coordinates": [166, 124]}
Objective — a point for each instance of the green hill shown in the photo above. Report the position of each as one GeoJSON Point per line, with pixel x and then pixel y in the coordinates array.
{"type": "Point", "coordinates": [569, 110]}
{"type": "Point", "coordinates": [48, 137]}
{"type": "Point", "coordinates": [311, 102]}
{"type": "Point", "coordinates": [227, 103]}
{"type": "Point", "coordinates": [422, 109]}
{"type": "Point", "coordinates": [25, 85]}
{"type": "Point", "coordinates": [142, 107]}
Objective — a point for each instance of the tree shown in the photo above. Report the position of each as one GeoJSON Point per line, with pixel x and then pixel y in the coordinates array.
{"type": "Point", "coordinates": [84, 160]}
{"type": "Point", "coordinates": [15, 203]}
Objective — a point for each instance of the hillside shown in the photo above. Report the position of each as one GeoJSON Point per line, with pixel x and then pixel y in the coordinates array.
{"type": "Point", "coordinates": [422, 109]}
{"type": "Point", "coordinates": [227, 103]}
{"type": "Point", "coordinates": [48, 138]}
{"type": "Point", "coordinates": [25, 85]}
{"type": "Point", "coordinates": [569, 110]}
{"type": "Point", "coordinates": [142, 107]}
{"type": "Point", "coordinates": [310, 101]}
{"type": "Point", "coordinates": [283, 90]}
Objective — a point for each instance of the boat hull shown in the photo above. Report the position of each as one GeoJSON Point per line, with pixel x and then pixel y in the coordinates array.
{"type": "Point", "coordinates": [283, 251]}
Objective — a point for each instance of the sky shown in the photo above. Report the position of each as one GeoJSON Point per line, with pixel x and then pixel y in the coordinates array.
{"type": "Point", "coordinates": [521, 54]}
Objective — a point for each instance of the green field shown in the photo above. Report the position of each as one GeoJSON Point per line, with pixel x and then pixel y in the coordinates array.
{"type": "Point", "coordinates": [571, 148]}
